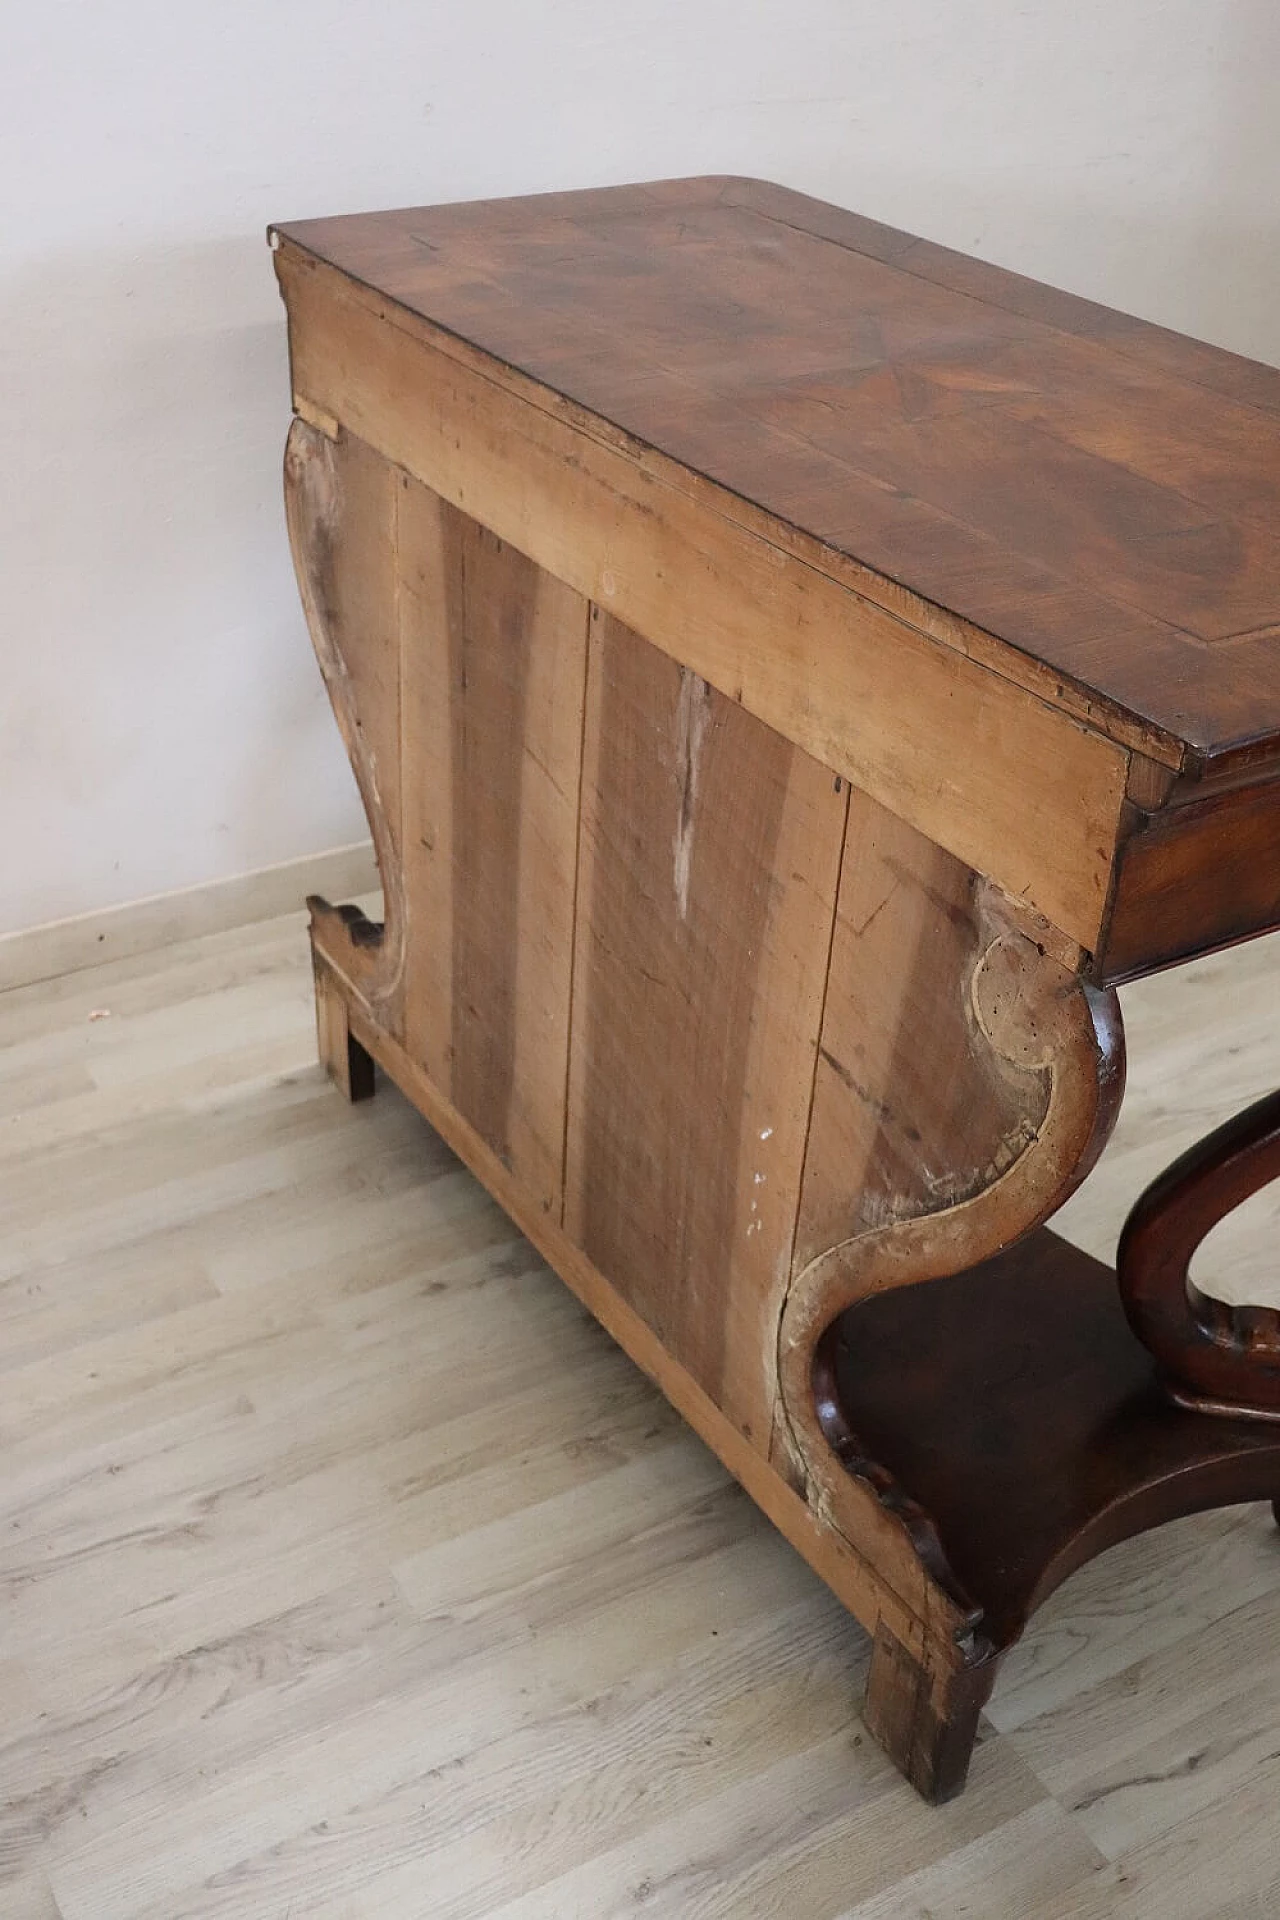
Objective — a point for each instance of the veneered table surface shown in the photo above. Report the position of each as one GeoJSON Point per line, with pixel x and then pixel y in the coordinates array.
{"type": "Point", "coordinates": [1098, 493]}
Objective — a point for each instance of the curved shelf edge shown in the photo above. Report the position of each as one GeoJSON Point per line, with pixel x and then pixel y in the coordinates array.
{"type": "Point", "coordinates": [1013, 1411]}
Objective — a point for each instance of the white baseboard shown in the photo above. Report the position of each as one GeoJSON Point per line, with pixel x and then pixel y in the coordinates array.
{"type": "Point", "coordinates": [139, 926]}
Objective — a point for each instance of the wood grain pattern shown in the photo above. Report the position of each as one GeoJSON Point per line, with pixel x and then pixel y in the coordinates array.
{"type": "Point", "coordinates": [494, 655]}
{"type": "Point", "coordinates": [905, 1600]}
{"type": "Point", "coordinates": [1212, 1355]}
{"type": "Point", "coordinates": [913, 1110]}
{"type": "Point", "coordinates": [775, 936]}
{"type": "Point", "coordinates": [851, 683]}
{"type": "Point", "coordinates": [925, 1713]}
{"type": "Point", "coordinates": [342, 1057]}
{"type": "Point", "coordinates": [1198, 873]}
{"type": "Point", "coordinates": [710, 851]}
{"type": "Point", "coordinates": [967, 1083]}
{"type": "Point", "coordinates": [282, 1727]}
{"type": "Point", "coordinates": [340, 503]}
{"type": "Point", "coordinates": [1095, 492]}
{"type": "Point", "coordinates": [1080, 1448]}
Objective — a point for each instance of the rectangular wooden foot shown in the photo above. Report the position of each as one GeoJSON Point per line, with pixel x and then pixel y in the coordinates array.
{"type": "Point", "coordinates": [925, 1717]}
{"type": "Point", "coordinates": [345, 1061]}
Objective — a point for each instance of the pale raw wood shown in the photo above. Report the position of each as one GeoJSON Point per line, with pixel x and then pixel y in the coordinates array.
{"type": "Point", "coordinates": [676, 1714]}
{"type": "Point", "coordinates": [430, 561]}
{"type": "Point", "coordinates": [734, 608]}
{"type": "Point", "coordinates": [710, 852]}
{"type": "Point", "coordinates": [494, 664]}
{"type": "Point", "coordinates": [634, 892]}
{"type": "Point", "coordinates": [697, 926]}
{"type": "Point", "coordinates": [913, 1110]}
{"type": "Point", "coordinates": [967, 1081]}
{"type": "Point", "coordinates": [895, 1589]}
{"type": "Point", "coordinates": [965, 1084]}
{"type": "Point", "coordinates": [343, 1063]}
{"type": "Point", "coordinates": [341, 502]}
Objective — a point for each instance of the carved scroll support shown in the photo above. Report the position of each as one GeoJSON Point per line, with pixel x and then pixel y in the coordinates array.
{"type": "Point", "coordinates": [1214, 1357]}
{"type": "Point", "coordinates": [957, 1379]}
{"type": "Point", "coordinates": [340, 505]}
{"type": "Point", "coordinates": [994, 1025]}
{"type": "Point", "coordinates": [1041, 1024]}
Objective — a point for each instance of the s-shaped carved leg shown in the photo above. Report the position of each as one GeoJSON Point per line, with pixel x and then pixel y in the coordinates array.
{"type": "Point", "coordinates": [1003, 1416]}
{"type": "Point", "coordinates": [1213, 1357]}
{"type": "Point", "coordinates": [340, 504]}
{"type": "Point", "coordinates": [967, 1078]}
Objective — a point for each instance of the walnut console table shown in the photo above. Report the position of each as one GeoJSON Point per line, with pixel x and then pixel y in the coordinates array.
{"type": "Point", "coordinates": [793, 673]}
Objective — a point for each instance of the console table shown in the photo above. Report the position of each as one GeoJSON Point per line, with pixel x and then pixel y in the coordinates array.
{"type": "Point", "coordinates": [793, 673]}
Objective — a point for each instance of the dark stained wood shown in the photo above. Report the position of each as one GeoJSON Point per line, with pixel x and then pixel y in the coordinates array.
{"type": "Point", "coordinates": [1194, 876]}
{"type": "Point", "coordinates": [1227, 374]}
{"type": "Point", "coordinates": [1211, 1354]}
{"type": "Point", "coordinates": [926, 1721]}
{"type": "Point", "coordinates": [1098, 493]}
{"type": "Point", "coordinates": [1014, 1405]}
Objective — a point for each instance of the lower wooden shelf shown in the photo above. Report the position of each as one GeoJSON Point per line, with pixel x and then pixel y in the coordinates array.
{"type": "Point", "coordinates": [1014, 1407]}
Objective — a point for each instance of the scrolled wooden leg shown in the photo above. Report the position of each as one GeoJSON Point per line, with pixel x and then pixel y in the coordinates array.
{"type": "Point", "coordinates": [339, 498]}
{"type": "Point", "coordinates": [925, 1714]}
{"type": "Point", "coordinates": [345, 1061]}
{"type": "Point", "coordinates": [1213, 1357]}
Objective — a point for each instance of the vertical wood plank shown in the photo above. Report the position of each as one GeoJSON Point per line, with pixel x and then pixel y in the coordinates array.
{"type": "Point", "coordinates": [913, 1110]}
{"type": "Point", "coordinates": [710, 851]}
{"type": "Point", "coordinates": [430, 563]}
{"type": "Point", "coordinates": [494, 661]}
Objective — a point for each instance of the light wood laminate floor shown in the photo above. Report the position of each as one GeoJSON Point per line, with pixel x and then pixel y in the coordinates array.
{"type": "Point", "coordinates": [348, 1572]}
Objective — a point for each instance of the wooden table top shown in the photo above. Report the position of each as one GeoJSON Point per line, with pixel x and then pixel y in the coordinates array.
{"type": "Point", "coordinates": [1097, 494]}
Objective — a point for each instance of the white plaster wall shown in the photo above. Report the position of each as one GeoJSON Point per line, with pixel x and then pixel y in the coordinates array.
{"type": "Point", "coordinates": [161, 721]}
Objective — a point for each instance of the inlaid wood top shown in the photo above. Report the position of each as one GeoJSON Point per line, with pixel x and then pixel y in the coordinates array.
{"type": "Point", "coordinates": [1097, 493]}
